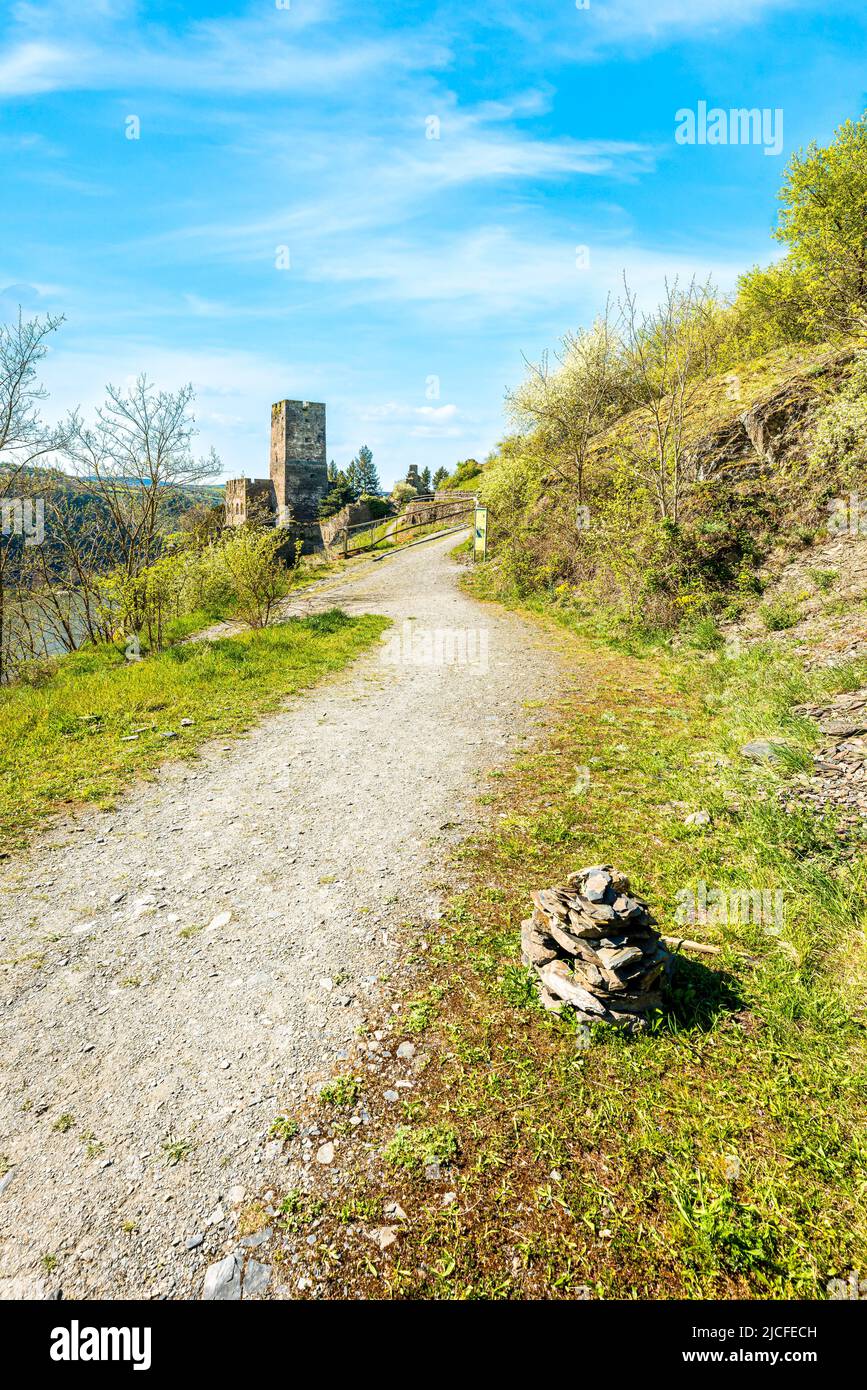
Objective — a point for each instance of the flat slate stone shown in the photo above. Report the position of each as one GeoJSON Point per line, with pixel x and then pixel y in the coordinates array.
{"type": "Point", "coordinates": [223, 1280]}
{"type": "Point", "coordinates": [596, 886]}
{"type": "Point", "coordinates": [559, 980]}
{"type": "Point", "coordinates": [256, 1278]}
{"type": "Point", "coordinates": [844, 728]}
{"type": "Point", "coordinates": [761, 750]}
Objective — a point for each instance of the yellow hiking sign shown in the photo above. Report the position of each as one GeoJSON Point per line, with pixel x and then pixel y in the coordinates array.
{"type": "Point", "coordinates": [480, 534]}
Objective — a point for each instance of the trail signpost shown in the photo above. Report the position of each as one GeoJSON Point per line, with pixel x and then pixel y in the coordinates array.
{"type": "Point", "coordinates": [480, 534]}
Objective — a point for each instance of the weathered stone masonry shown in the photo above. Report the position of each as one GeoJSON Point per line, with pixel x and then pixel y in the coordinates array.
{"type": "Point", "coordinates": [298, 470]}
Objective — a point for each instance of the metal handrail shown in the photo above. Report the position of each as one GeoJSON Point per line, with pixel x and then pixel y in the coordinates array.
{"type": "Point", "coordinates": [448, 515]}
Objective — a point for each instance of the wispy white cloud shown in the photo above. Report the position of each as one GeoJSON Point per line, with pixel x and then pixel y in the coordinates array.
{"type": "Point", "coordinates": [53, 49]}
{"type": "Point", "coordinates": [26, 69]}
{"type": "Point", "coordinates": [417, 421]}
{"type": "Point", "coordinates": [665, 17]}
{"type": "Point", "coordinates": [496, 270]}
{"type": "Point", "coordinates": [104, 45]}
{"type": "Point", "coordinates": [348, 186]}
{"type": "Point", "coordinates": [591, 32]}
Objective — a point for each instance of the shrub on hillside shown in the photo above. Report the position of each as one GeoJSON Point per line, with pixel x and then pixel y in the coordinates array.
{"type": "Point", "coordinates": [840, 439]}
{"type": "Point", "coordinates": [258, 578]}
{"type": "Point", "coordinates": [402, 493]}
{"type": "Point", "coordinates": [779, 614]}
{"type": "Point", "coordinates": [377, 506]}
{"type": "Point", "coordinates": [464, 473]}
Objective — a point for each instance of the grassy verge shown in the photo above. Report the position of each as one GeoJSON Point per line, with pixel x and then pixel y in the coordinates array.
{"type": "Point", "coordinates": [98, 720]}
{"type": "Point", "coordinates": [365, 541]}
{"type": "Point", "coordinates": [720, 1156]}
{"type": "Point", "coordinates": [414, 533]}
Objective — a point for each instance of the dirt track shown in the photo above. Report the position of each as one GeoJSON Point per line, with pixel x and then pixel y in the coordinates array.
{"type": "Point", "coordinates": [207, 950]}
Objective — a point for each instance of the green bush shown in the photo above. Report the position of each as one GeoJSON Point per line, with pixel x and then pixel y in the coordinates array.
{"type": "Point", "coordinates": [840, 440]}
{"type": "Point", "coordinates": [823, 579]}
{"type": "Point", "coordinates": [705, 636]}
{"type": "Point", "coordinates": [342, 1092]}
{"type": "Point", "coordinates": [464, 473]}
{"type": "Point", "coordinates": [780, 614]}
{"type": "Point", "coordinates": [377, 506]}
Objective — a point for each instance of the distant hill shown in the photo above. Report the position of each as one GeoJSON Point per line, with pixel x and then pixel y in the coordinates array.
{"type": "Point", "coordinates": [83, 504]}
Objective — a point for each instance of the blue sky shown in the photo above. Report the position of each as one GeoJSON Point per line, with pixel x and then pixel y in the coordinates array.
{"type": "Point", "coordinates": [306, 127]}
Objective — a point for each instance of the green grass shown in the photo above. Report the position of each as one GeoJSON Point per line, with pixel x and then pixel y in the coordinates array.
{"type": "Point", "coordinates": [416, 1149]}
{"type": "Point", "coordinates": [297, 1210]}
{"type": "Point", "coordinates": [99, 720]}
{"type": "Point", "coordinates": [342, 1092]}
{"type": "Point", "coordinates": [362, 541]}
{"type": "Point", "coordinates": [176, 1150]}
{"type": "Point", "coordinates": [284, 1127]}
{"type": "Point", "coordinates": [721, 1155]}
{"type": "Point", "coordinates": [376, 540]}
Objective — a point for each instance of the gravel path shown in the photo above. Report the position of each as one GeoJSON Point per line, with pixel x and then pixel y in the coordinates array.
{"type": "Point", "coordinates": [177, 971]}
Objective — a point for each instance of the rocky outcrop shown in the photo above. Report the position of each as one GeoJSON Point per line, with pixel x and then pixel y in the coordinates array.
{"type": "Point", "coordinates": [775, 427]}
{"type": "Point", "coordinates": [772, 432]}
{"type": "Point", "coordinates": [725, 451]}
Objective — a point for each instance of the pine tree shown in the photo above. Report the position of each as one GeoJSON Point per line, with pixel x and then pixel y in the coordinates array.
{"type": "Point", "coordinates": [425, 480]}
{"type": "Point", "coordinates": [439, 478]}
{"type": "Point", "coordinates": [368, 478]}
{"type": "Point", "coordinates": [340, 494]}
{"type": "Point", "coordinates": [353, 480]}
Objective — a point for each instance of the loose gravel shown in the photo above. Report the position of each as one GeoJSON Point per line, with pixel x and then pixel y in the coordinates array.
{"type": "Point", "coordinates": [180, 970]}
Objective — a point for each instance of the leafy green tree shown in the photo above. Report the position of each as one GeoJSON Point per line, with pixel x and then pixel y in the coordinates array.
{"type": "Point", "coordinates": [339, 495]}
{"type": "Point", "coordinates": [465, 472]}
{"type": "Point", "coordinates": [823, 221]}
{"type": "Point", "coordinates": [773, 307]}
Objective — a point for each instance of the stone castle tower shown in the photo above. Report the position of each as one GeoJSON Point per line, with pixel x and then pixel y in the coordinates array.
{"type": "Point", "coordinates": [298, 467]}
{"type": "Point", "coordinates": [298, 471]}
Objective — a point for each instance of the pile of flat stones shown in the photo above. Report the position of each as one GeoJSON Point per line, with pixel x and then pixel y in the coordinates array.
{"type": "Point", "coordinates": [839, 777]}
{"type": "Point", "coordinates": [592, 946]}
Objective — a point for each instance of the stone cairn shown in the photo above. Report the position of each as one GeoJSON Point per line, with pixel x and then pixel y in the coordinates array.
{"type": "Point", "coordinates": [592, 945]}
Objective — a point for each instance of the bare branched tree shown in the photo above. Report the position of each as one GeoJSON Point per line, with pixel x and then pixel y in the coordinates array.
{"type": "Point", "coordinates": [24, 441]}
{"type": "Point", "coordinates": [570, 401]}
{"type": "Point", "coordinates": [62, 576]}
{"type": "Point", "coordinates": [136, 454]}
{"type": "Point", "coordinates": [670, 354]}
